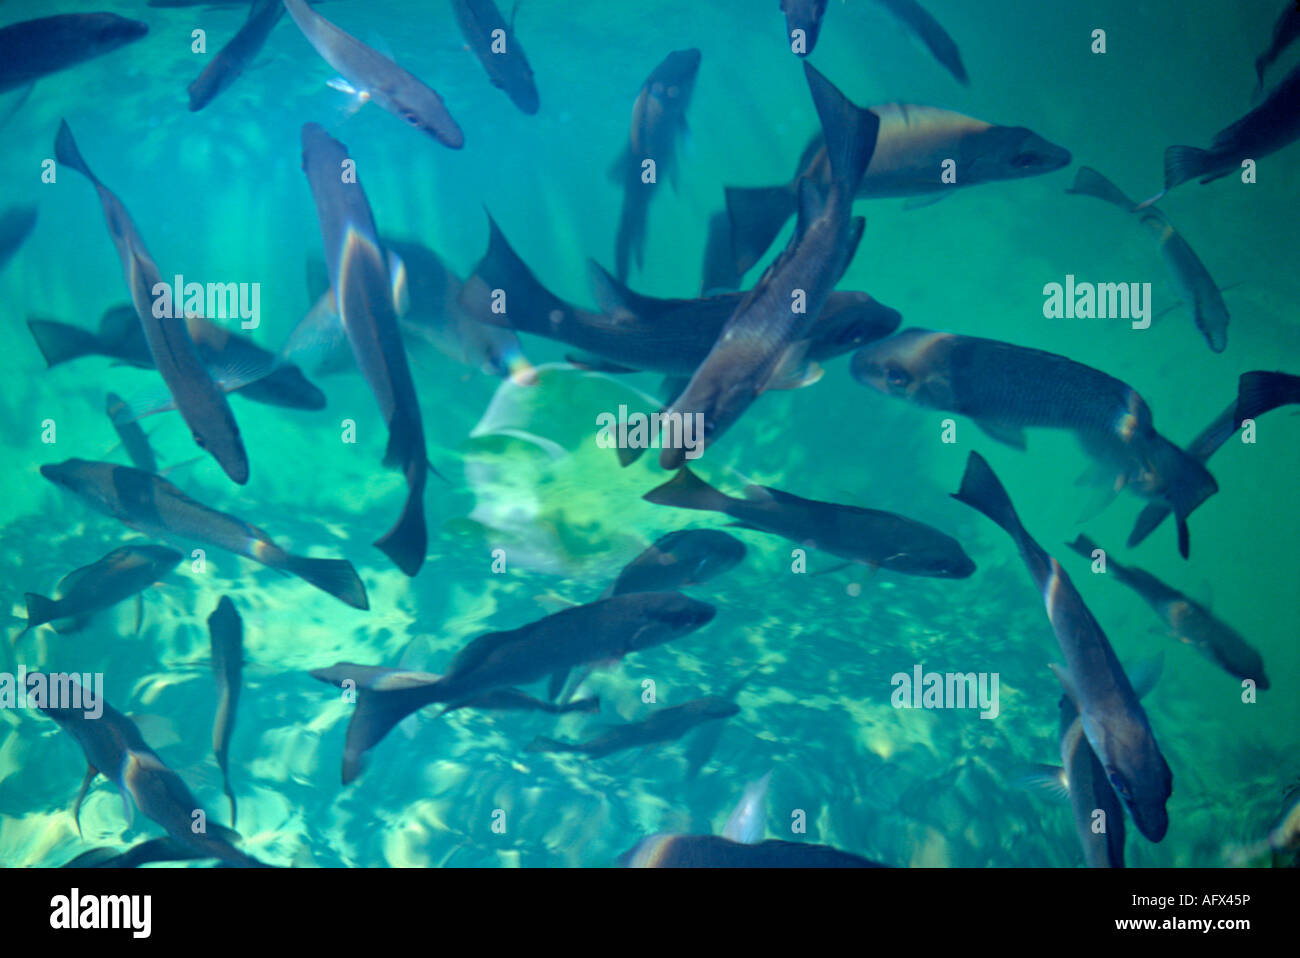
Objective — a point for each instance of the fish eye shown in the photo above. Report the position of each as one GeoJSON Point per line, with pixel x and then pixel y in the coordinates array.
{"type": "Point", "coordinates": [897, 377]}
{"type": "Point", "coordinates": [411, 118]}
{"type": "Point", "coordinates": [1118, 783]}
{"type": "Point", "coordinates": [1023, 161]}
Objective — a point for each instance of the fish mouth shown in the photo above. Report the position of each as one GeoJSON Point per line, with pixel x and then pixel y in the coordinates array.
{"type": "Point", "coordinates": [1152, 821]}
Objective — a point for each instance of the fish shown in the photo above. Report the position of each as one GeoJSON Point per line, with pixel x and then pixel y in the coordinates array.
{"type": "Point", "coordinates": [666, 850]}
{"type": "Point", "coordinates": [16, 224]}
{"type": "Point", "coordinates": [226, 634]}
{"type": "Point", "coordinates": [805, 15]}
{"type": "Point", "coordinates": [126, 571]}
{"type": "Point", "coordinates": [274, 383]}
{"type": "Point", "coordinates": [201, 403]}
{"type": "Point", "coordinates": [658, 122]}
{"type": "Point", "coordinates": [704, 742]}
{"type": "Point", "coordinates": [762, 341]}
{"type": "Point", "coordinates": [667, 336]}
{"type": "Point", "coordinates": [513, 700]}
{"type": "Point", "coordinates": [1007, 388]}
{"type": "Point", "coordinates": [32, 49]}
{"type": "Point", "coordinates": [1269, 127]}
{"type": "Point", "coordinates": [233, 59]}
{"type": "Point", "coordinates": [114, 747]}
{"type": "Point", "coordinates": [663, 725]}
{"type": "Point", "coordinates": [930, 32]}
{"type": "Point", "coordinates": [359, 275]}
{"type": "Point", "coordinates": [377, 77]}
{"type": "Point", "coordinates": [1261, 391]}
{"type": "Point", "coordinates": [1285, 32]}
{"type": "Point", "coordinates": [1082, 779]}
{"type": "Point", "coordinates": [1187, 620]}
{"type": "Point", "coordinates": [1191, 278]}
{"type": "Point", "coordinates": [483, 27]}
{"type": "Point", "coordinates": [878, 539]}
{"type": "Point", "coordinates": [718, 272]}
{"type": "Point", "coordinates": [155, 507]}
{"type": "Point", "coordinates": [134, 441]}
{"type": "Point", "coordinates": [594, 632]}
{"type": "Point", "coordinates": [142, 853]}
{"type": "Point", "coordinates": [1113, 720]}
{"type": "Point", "coordinates": [913, 143]}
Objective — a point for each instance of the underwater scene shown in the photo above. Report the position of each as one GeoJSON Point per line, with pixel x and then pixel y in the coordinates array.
{"type": "Point", "coordinates": [654, 433]}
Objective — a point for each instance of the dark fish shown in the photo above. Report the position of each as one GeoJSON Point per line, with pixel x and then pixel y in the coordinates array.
{"type": "Point", "coordinates": [114, 747]}
{"type": "Point", "coordinates": [142, 853]}
{"type": "Point", "coordinates": [1260, 391]}
{"type": "Point", "coordinates": [714, 851]}
{"type": "Point", "coordinates": [668, 336]}
{"type": "Point", "coordinates": [913, 143]}
{"type": "Point", "coordinates": [930, 32]}
{"type": "Point", "coordinates": [16, 223]}
{"type": "Point", "coordinates": [679, 559]}
{"type": "Point", "coordinates": [599, 631]}
{"type": "Point", "coordinates": [200, 401]}
{"type": "Point", "coordinates": [226, 632]}
{"type": "Point", "coordinates": [508, 68]}
{"type": "Point", "coordinates": [764, 339]}
{"type": "Point", "coordinates": [513, 700]}
{"type": "Point", "coordinates": [121, 338]}
{"type": "Point", "coordinates": [36, 48]}
{"type": "Point", "coordinates": [1285, 32]}
{"type": "Point", "coordinates": [719, 271]}
{"type": "Point", "coordinates": [1189, 274]}
{"type": "Point", "coordinates": [663, 725]}
{"type": "Point", "coordinates": [232, 59]}
{"type": "Point", "coordinates": [704, 742]}
{"type": "Point", "coordinates": [1113, 718]}
{"type": "Point", "coordinates": [1007, 388]}
{"type": "Point", "coordinates": [155, 507]}
{"type": "Point", "coordinates": [805, 15]}
{"type": "Point", "coordinates": [377, 77]}
{"type": "Point", "coordinates": [882, 540]}
{"type": "Point", "coordinates": [1187, 620]}
{"type": "Point", "coordinates": [1269, 127]}
{"type": "Point", "coordinates": [358, 271]}
{"type": "Point", "coordinates": [134, 441]}
{"type": "Point", "coordinates": [124, 572]}
{"type": "Point", "coordinates": [658, 120]}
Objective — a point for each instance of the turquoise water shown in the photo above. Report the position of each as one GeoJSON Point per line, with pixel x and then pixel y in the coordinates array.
{"type": "Point", "coordinates": [220, 195]}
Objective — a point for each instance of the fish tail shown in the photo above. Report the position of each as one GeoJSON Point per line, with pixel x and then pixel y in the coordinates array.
{"type": "Point", "coordinates": [335, 576]}
{"type": "Point", "coordinates": [406, 543]}
{"type": "Point", "coordinates": [1183, 163]}
{"type": "Point", "coordinates": [630, 240]}
{"type": "Point", "coordinates": [1187, 483]}
{"type": "Point", "coordinates": [981, 490]}
{"type": "Point", "coordinates": [39, 611]}
{"type": "Point", "coordinates": [1083, 545]}
{"type": "Point", "coordinates": [756, 216]}
{"type": "Point", "coordinates": [530, 305]}
{"type": "Point", "coordinates": [230, 794]}
{"type": "Point", "coordinates": [67, 153]}
{"type": "Point", "coordinates": [1259, 392]}
{"type": "Point", "coordinates": [686, 490]}
{"type": "Point", "coordinates": [850, 132]}
{"type": "Point", "coordinates": [60, 342]}
{"type": "Point", "coordinates": [1148, 519]}
{"type": "Point", "coordinates": [556, 684]}
{"type": "Point", "coordinates": [1088, 182]}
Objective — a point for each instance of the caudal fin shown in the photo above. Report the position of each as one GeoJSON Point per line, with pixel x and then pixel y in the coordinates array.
{"type": "Point", "coordinates": [529, 305]}
{"type": "Point", "coordinates": [686, 490]}
{"type": "Point", "coordinates": [980, 489]}
{"type": "Point", "coordinates": [632, 223]}
{"type": "Point", "coordinates": [408, 541]}
{"type": "Point", "coordinates": [59, 342]}
{"type": "Point", "coordinates": [756, 215]}
{"type": "Point", "coordinates": [1083, 545]}
{"type": "Point", "coordinates": [1148, 521]}
{"type": "Point", "coordinates": [66, 152]}
{"type": "Point", "coordinates": [590, 704]}
{"type": "Point", "coordinates": [335, 576]}
{"type": "Point", "coordinates": [39, 611]}
{"type": "Point", "coordinates": [719, 271]}
{"type": "Point", "coordinates": [1183, 163]}
{"type": "Point", "coordinates": [1186, 483]}
{"type": "Point", "coordinates": [1259, 392]}
{"type": "Point", "coordinates": [850, 132]}
{"type": "Point", "coordinates": [1088, 182]}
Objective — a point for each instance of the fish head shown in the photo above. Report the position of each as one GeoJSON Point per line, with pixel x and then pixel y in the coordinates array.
{"type": "Point", "coordinates": [911, 365]}
{"type": "Point", "coordinates": [81, 478]}
{"type": "Point", "coordinates": [109, 31]}
{"type": "Point", "coordinates": [850, 320]}
{"type": "Point", "coordinates": [715, 707]}
{"type": "Point", "coordinates": [1139, 774]}
{"type": "Point", "coordinates": [805, 15]}
{"type": "Point", "coordinates": [943, 560]}
{"type": "Point", "coordinates": [1011, 153]}
{"type": "Point", "coordinates": [701, 554]}
{"type": "Point", "coordinates": [669, 615]}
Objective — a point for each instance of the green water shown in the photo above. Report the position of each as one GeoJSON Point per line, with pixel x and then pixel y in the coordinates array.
{"type": "Point", "coordinates": [220, 195]}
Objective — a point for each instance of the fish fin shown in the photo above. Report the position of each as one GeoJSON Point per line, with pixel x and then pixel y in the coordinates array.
{"type": "Point", "coordinates": [67, 154]}
{"type": "Point", "coordinates": [1048, 779]}
{"type": "Point", "coordinates": [555, 684]}
{"type": "Point", "coordinates": [398, 281]}
{"type": "Point", "coordinates": [748, 820]}
{"type": "Point", "coordinates": [1088, 182]}
{"type": "Point", "coordinates": [40, 610]}
{"type": "Point", "coordinates": [1260, 391]}
{"type": "Point", "coordinates": [1183, 163]}
{"type": "Point", "coordinates": [686, 490]}
{"type": "Point", "coordinates": [1067, 681]}
{"type": "Point", "coordinates": [981, 490]}
{"type": "Point", "coordinates": [180, 465]}
{"type": "Point", "coordinates": [139, 612]}
{"type": "Point", "coordinates": [150, 402]}
{"type": "Point", "coordinates": [921, 202]}
{"type": "Point", "coordinates": [589, 704]}
{"type": "Point", "coordinates": [1145, 673]}
{"type": "Point", "coordinates": [86, 781]}
{"type": "Point", "coordinates": [617, 300]}
{"type": "Point", "coordinates": [1148, 519]}
{"type": "Point", "coordinates": [628, 455]}
{"type": "Point", "coordinates": [335, 576]}
{"type": "Point", "coordinates": [574, 680]}
{"type": "Point", "coordinates": [60, 342]}
{"type": "Point", "coordinates": [756, 216]}
{"type": "Point", "coordinates": [850, 131]}
{"type": "Point", "coordinates": [375, 715]}
{"type": "Point", "coordinates": [407, 542]}
{"type": "Point", "coordinates": [793, 370]}
{"type": "Point", "coordinates": [1013, 436]}
{"type": "Point", "coordinates": [812, 200]}
{"type": "Point", "coordinates": [1102, 490]}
